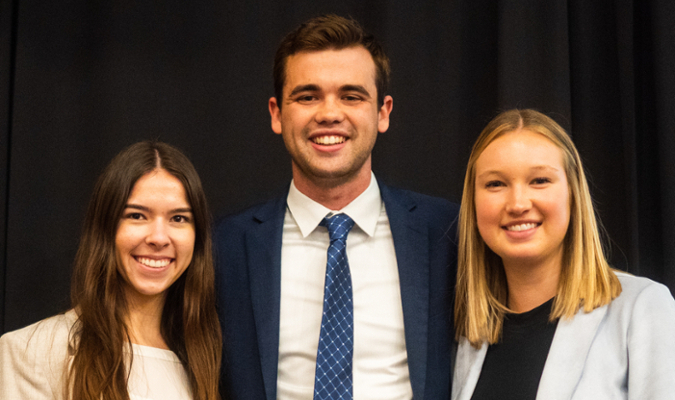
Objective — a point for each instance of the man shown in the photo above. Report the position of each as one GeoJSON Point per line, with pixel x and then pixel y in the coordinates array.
{"type": "Point", "coordinates": [280, 304]}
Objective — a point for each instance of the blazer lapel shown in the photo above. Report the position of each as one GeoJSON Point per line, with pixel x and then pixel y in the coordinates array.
{"type": "Point", "coordinates": [567, 356]}
{"type": "Point", "coordinates": [564, 363]}
{"type": "Point", "coordinates": [412, 256]}
{"type": "Point", "coordinates": [468, 366]}
{"type": "Point", "coordinates": [263, 244]}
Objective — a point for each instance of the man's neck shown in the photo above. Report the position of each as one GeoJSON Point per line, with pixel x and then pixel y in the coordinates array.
{"type": "Point", "coordinates": [333, 194]}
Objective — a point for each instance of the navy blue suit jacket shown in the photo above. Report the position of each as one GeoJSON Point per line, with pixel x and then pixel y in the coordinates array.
{"type": "Point", "coordinates": [248, 274]}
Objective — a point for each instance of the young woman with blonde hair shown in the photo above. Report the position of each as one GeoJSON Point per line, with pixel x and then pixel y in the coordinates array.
{"type": "Point", "coordinates": [539, 313]}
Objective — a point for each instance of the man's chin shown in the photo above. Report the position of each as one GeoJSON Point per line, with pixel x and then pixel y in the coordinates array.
{"type": "Point", "coordinates": [327, 177]}
{"type": "Point", "coordinates": [332, 178]}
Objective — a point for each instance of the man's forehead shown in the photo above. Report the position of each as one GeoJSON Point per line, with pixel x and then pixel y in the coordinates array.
{"type": "Point", "coordinates": [351, 63]}
{"type": "Point", "coordinates": [330, 50]}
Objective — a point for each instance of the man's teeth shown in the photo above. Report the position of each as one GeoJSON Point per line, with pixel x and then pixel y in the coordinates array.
{"type": "Point", "coordinates": [328, 139]}
{"type": "Point", "coordinates": [154, 263]}
{"type": "Point", "coordinates": [521, 227]}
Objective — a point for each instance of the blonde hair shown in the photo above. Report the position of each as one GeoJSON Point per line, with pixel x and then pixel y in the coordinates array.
{"type": "Point", "coordinates": [586, 280]}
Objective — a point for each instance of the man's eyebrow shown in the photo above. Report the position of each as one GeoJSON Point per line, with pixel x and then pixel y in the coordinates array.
{"type": "Point", "coordinates": [355, 88]}
{"type": "Point", "coordinates": [304, 88]}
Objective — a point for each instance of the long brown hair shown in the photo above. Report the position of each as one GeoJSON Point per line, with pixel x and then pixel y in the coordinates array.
{"type": "Point", "coordinates": [586, 280]}
{"type": "Point", "coordinates": [189, 323]}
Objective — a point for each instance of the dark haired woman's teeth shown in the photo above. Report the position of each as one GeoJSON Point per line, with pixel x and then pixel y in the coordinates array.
{"type": "Point", "coordinates": [152, 263]}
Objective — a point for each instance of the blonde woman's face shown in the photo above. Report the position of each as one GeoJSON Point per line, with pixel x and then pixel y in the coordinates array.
{"type": "Point", "coordinates": [522, 199]}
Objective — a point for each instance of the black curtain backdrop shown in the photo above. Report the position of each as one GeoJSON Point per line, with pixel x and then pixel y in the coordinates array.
{"type": "Point", "coordinates": [81, 79]}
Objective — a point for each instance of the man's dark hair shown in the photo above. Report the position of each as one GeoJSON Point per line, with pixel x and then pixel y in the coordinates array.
{"type": "Point", "coordinates": [330, 32]}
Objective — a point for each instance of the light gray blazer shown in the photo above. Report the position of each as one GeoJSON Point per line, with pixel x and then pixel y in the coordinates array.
{"type": "Point", "coordinates": [35, 359]}
{"type": "Point", "coordinates": [624, 350]}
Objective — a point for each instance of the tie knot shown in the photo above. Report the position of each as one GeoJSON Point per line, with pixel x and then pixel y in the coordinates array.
{"type": "Point", "coordinates": [338, 226]}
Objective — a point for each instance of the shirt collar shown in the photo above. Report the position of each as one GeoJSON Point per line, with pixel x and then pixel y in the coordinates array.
{"type": "Point", "coordinates": [364, 210]}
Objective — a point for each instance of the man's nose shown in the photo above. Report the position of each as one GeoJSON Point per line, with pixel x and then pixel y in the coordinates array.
{"type": "Point", "coordinates": [330, 111]}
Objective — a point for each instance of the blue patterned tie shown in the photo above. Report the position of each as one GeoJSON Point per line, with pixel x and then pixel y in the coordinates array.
{"type": "Point", "coordinates": [336, 341]}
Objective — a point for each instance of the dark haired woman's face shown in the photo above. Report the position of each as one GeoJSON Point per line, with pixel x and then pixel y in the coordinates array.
{"type": "Point", "coordinates": [155, 236]}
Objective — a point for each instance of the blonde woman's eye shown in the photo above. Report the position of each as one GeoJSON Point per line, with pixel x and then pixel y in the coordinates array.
{"type": "Point", "coordinates": [541, 181]}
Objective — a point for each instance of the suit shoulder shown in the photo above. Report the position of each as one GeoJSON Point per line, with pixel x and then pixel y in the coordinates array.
{"type": "Point", "coordinates": [436, 205]}
{"type": "Point", "coordinates": [236, 218]}
{"type": "Point", "coordinates": [243, 219]}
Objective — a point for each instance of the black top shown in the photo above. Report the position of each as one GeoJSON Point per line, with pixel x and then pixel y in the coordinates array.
{"type": "Point", "coordinates": [512, 368]}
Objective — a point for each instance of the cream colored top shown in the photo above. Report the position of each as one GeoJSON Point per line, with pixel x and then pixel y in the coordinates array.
{"type": "Point", "coordinates": [34, 361]}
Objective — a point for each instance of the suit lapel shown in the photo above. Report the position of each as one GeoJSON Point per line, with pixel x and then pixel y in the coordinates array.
{"type": "Point", "coordinates": [263, 244]}
{"type": "Point", "coordinates": [412, 256]}
{"type": "Point", "coordinates": [567, 356]}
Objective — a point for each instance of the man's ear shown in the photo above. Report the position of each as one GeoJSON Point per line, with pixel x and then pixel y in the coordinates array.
{"type": "Point", "coordinates": [275, 114]}
{"type": "Point", "coordinates": [383, 114]}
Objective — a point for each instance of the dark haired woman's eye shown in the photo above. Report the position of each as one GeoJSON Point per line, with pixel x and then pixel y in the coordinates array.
{"type": "Point", "coordinates": [181, 218]}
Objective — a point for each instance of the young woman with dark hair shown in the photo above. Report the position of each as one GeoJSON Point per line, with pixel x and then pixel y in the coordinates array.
{"type": "Point", "coordinates": [143, 322]}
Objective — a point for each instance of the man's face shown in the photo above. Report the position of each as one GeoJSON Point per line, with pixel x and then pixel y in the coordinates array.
{"type": "Point", "coordinates": [328, 116]}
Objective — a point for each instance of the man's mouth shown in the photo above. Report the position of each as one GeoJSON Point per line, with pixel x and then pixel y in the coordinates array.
{"type": "Point", "coordinates": [328, 140]}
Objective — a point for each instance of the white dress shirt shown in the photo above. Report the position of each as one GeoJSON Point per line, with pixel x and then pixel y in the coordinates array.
{"type": "Point", "coordinates": [380, 365]}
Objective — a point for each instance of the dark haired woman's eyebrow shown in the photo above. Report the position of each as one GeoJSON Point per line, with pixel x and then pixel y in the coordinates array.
{"type": "Point", "coordinates": [144, 208]}
{"type": "Point", "coordinates": [137, 207]}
